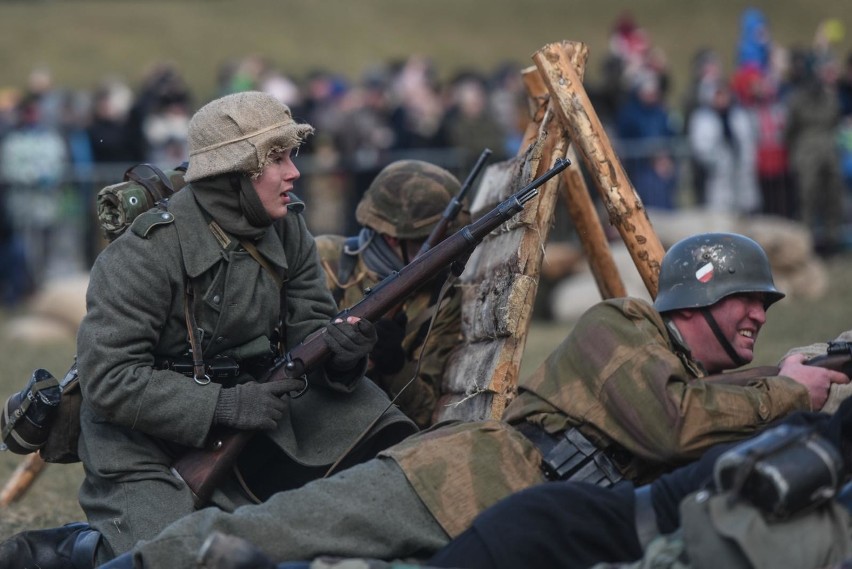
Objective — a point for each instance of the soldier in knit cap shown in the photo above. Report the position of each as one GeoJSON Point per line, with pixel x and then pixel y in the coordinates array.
{"type": "Point", "coordinates": [227, 273]}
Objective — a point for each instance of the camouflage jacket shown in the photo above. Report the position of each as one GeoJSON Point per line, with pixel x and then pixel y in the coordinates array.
{"type": "Point", "coordinates": [625, 383]}
{"type": "Point", "coordinates": [419, 399]}
{"type": "Point", "coordinates": [633, 390]}
{"type": "Point", "coordinates": [459, 469]}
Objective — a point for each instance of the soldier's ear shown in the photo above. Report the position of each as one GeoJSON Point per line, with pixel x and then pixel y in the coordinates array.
{"type": "Point", "coordinates": [683, 314]}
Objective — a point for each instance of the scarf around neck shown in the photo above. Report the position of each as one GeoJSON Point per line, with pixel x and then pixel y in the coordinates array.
{"type": "Point", "coordinates": [231, 200]}
{"type": "Point", "coordinates": [376, 253]}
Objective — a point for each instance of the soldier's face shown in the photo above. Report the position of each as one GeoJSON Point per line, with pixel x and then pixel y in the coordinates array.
{"type": "Point", "coordinates": [740, 317]}
{"type": "Point", "coordinates": [275, 183]}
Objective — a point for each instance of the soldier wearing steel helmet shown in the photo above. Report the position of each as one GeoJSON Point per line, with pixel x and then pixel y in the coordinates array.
{"type": "Point", "coordinates": [643, 381]}
{"type": "Point", "coordinates": [397, 213]}
{"type": "Point", "coordinates": [631, 393]}
{"type": "Point", "coordinates": [226, 272]}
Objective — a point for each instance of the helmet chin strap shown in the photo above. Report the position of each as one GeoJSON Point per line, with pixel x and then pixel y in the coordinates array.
{"type": "Point", "coordinates": [726, 345]}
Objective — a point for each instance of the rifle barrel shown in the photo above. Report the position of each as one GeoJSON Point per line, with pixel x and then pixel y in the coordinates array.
{"type": "Point", "coordinates": [454, 207]}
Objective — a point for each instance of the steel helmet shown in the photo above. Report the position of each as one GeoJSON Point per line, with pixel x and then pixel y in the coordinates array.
{"type": "Point", "coordinates": [701, 270]}
{"type": "Point", "coordinates": [407, 198]}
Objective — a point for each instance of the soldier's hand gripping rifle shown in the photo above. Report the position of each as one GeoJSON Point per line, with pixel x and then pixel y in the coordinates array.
{"type": "Point", "coordinates": [203, 469]}
{"type": "Point", "coordinates": [838, 357]}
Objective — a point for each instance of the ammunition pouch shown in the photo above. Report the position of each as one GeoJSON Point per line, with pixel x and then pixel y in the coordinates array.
{"type": "Point", "coordinates": [222, 369]}
{"type": "Point", "coordinates": [569, 455]}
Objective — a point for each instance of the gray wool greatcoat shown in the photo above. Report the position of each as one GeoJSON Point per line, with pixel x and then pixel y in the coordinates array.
{"type": "Point", "coordinates": [136, 418]}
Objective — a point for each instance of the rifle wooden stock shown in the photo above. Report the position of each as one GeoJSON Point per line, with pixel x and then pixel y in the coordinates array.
{"type": "Point", "coordinates": [204, 469]}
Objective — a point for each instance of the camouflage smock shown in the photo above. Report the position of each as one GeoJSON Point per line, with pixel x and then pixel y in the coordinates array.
{"type": "Point", "coordinates": [458, 469]}
{"type": "Point", "coordinates": [631, 389]}
{"type": "Point", "coordinates": [419, 399]}
{"type": "Point", "coordinates": [136, 418]}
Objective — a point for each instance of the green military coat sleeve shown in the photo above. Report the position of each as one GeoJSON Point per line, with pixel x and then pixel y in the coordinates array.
{"type": "Point", "coordinates": [619, 379]}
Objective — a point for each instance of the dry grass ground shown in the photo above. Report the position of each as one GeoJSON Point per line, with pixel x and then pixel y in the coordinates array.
{"type": "Point", "coordinates": [52, 500]}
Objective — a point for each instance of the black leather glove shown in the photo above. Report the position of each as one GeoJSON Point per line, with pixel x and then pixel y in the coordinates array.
{"type": "Point", "coordinates": [388, 356]}
{"type": "Point", "coordinates": [349, 343]}
{"type": "Point", "coordinates": [251, 405]}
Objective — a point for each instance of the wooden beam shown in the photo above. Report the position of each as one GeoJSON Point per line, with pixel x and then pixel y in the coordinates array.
{"type": "Point", "coordinates": [625, 209]}
{"type": "Point", "coordinates": [578, 201]}
{"type": "Point", "coordinates": [589, 229]}
{"type": "Point", "coordinates": [22, 478]}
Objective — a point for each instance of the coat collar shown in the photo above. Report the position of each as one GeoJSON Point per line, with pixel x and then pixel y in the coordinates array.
{"type": "Point", "coordinates": [201, 249]}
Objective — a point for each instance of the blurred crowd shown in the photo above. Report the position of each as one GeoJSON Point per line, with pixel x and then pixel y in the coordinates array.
{"type": "Point", "coordinates": [773, 135]}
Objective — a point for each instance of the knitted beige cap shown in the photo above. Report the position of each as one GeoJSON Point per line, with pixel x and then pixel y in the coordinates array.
{"type": "Point", "coordinates": [236, 132]}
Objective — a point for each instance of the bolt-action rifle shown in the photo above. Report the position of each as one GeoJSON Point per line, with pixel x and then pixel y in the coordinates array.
{"type": "Point", "coordinates": [203, 469]}
{"type": "Point", "coordinates": [454, 207]}
{"type": "Point", "coordinates": [838, 357]}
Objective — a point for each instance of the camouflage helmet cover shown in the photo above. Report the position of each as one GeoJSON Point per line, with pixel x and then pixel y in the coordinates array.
{"type": "Point", "coordinates": [407, 198]}
{"type": "Point", "coordinates": [700, 270]}
{"type": "Point", "coordinates": [236, 133]}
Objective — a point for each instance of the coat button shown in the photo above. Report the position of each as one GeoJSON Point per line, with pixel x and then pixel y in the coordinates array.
{"type": "Point", "coordinates": [216, 299]}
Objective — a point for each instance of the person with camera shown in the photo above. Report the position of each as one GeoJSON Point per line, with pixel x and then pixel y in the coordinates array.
{"type": "Point", "coordinates": [397, 213]}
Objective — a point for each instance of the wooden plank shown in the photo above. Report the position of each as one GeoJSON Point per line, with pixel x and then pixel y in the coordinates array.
{"type": "Point", "coordinates": [500, 280]}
